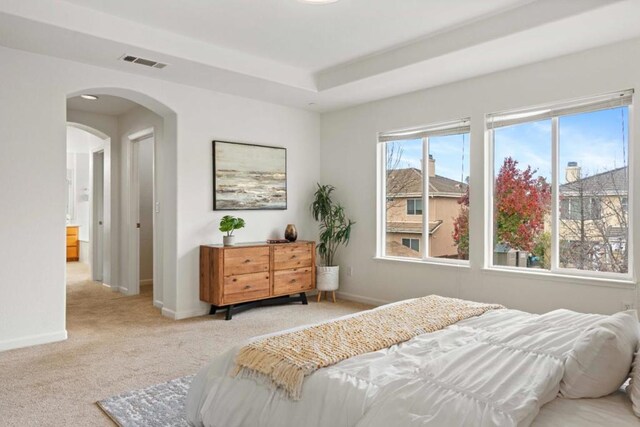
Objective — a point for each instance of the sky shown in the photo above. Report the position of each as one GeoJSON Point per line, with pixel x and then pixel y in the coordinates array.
{"type": "Point", "coordinates": [450, 152]}
{"type": "Point", "coordinates": [598, 141]}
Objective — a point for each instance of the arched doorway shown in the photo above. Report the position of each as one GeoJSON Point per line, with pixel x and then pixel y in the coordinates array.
{"type": "Point", "coordinates": [121, 261]}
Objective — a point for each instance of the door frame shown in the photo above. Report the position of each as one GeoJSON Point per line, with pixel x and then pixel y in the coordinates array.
{"type": "Point", "coordinates": [133, 211]}
{"type": "Point", "coordinates": [97, 275]}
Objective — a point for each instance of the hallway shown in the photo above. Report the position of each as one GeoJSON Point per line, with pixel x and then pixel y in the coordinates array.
{"type": "Point", "coordinates": [93, 308]}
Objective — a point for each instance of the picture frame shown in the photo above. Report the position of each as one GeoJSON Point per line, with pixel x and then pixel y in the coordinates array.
{"type": "Point", "coordinates": [249, 176]}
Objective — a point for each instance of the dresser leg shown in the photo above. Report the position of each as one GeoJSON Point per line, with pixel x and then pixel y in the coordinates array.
{"type": "Point", "coordinates": [213, 309]}
{"type": "Point", "coordinates": [228, 316]}
{"type": "Point", "coordinates": [303, 298]}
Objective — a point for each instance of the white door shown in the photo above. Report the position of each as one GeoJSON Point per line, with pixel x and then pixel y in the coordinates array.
{"type": "Point", "coordinates": [134, 248]}
{"type": "Point", "coordinates": [141, 211]}
{"type": "Point", "coordinates": [97, 258]}
{"type": "Point", "coordinates": [145, 210]}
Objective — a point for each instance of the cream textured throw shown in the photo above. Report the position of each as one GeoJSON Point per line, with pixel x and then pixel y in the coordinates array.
{"type": "Point", "coordinates": [284, 360]}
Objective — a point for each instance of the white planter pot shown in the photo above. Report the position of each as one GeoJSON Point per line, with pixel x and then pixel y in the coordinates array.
{"type": "Point", "coordinates": [229, 240]}
{"type": "Point", "coordinates": [327, 278]}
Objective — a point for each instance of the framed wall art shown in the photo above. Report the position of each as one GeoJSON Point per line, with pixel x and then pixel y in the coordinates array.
{"type": "Point", "coordinates": [249, 177]}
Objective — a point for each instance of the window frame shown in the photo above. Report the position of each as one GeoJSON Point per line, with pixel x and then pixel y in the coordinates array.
{"type": "Point", "coordinates": [555, 269]}
{"type": "Point", "coordinates": [381, 190]}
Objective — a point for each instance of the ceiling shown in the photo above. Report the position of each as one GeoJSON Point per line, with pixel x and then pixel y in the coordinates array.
{"type": "Point", "coordinates": [105, 104]}
{"type": "Point", "coordinates": [311, 37]}
{"type": "Point", "coordinates": [317, 57]}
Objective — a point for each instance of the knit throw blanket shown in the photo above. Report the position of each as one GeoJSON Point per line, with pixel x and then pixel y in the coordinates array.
{"type": "Point", "coordinates": [285, 360]}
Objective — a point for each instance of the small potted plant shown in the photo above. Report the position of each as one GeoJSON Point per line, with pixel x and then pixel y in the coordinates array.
{"type": "Point", "coordinates": [335, 230]}
{"type": "Point", "coordinates": [228, 224]}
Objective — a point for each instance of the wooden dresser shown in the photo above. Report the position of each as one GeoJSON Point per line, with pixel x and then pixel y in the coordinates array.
{"type": "Point", "coordinates": [73, 243]}
{"type": "Point", "coordinates": [248, 275]}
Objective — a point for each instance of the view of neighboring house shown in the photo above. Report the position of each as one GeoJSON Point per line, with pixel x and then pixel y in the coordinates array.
{"type": "Point", "coordinates": [594, 220]}
{"type": "Point", "coordinates": [405, 211]}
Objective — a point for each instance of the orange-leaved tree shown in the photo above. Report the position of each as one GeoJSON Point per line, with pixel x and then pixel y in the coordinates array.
{"type": "Point", "coordinates": [521, 202]}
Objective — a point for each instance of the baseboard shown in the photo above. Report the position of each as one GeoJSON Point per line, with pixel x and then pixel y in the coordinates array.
{"type": "Point", "coordinates": [106, 285]}
{"type": "Point", "coordinates": [185, 314]}
{"type": "Point", "coordinates": [361, 299]}
{"type": "Point", "coordinates": [158, 303]}
{"type": "Point", "coordinates": [123, 289]}
{"type": "Point", "coordinates": [144, 282]}
{"type": "Point", "coordinates": [33, 340]}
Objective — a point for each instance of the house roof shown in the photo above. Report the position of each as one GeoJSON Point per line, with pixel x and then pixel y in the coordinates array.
{"type": "Point", "coordinates": [613, 182]}
{"type": "Point", "coordinates": [408, 181]}
{"type": "Point", "coordinates": [412, 227]}
{"type": "Point", "coordinates": [397, 249]}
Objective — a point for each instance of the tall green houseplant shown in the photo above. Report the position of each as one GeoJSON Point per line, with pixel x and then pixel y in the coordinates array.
{"type": "Point", "coordinates": [335, 227]}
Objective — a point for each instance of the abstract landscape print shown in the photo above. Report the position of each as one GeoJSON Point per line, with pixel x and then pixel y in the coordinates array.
{"type": "Point", "coordinates": [247, 176]}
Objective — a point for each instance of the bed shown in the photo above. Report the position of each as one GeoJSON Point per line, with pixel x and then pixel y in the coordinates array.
{"type": "Point", "coordinates": [502, 368]}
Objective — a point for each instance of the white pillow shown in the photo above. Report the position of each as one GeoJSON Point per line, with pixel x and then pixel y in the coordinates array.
{"type": "Point", "coordinates": [601, 357]}
{"type": "Point", "coordinates": [634, 386]}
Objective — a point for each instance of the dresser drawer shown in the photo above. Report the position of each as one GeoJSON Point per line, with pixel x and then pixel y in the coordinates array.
{"type": "Point", "coordinates": [72, 240]}
{"type": "Point", "coordinates": [72, 231]}
{"type": "Point", "coordinates": [245, 260]}
{"type": "Point", "coordinates": [290, 256]}
{"type": "Point", "coordinates": [72, 252]}
{"type": "Point", "coordinates": [246, 287]}
{"type": "Point", "coordinates": [292, 281]}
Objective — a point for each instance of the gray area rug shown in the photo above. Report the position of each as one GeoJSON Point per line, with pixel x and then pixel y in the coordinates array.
{"type": "Point", "coordinates": [158, 405]}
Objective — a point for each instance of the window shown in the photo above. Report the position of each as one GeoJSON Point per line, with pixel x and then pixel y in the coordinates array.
{"type": "Point", "coordinates": [561, 187]}
{"type": "Point", "coordinates": [576, 208]}
{"type": "Point", "coordinates": [414, 206]}
{"type": "Point", "coordinates": [412, 244]}
{"type": "Point", "coordinates": [624, 205]}
{"type": "Point", "coordinates": [425, 188]}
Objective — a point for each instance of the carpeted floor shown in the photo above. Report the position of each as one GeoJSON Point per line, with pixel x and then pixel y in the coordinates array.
{"type": "Point", "coordinates": [119, 343]}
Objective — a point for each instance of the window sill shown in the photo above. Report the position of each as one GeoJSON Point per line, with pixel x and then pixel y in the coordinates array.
{"type": "Point", "coordinates": [431, 261]}
{"type": "Point", "coordinates": [625, 283]}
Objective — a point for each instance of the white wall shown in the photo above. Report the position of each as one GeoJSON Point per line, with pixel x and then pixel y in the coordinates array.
{"type": "Point", "coordinates": [136, 120]}
{"type": "Point", "coordinates": [348, 161]}
{"type": "Point", "coordinates": [80, 144]}
{"type": "Point", "coordinates": [82, 194]}
{"type": "Point", "coordinates": [33, 119]}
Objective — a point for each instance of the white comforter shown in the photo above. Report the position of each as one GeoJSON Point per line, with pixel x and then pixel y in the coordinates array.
{"type": "Point", "coordinates": [497, 369]}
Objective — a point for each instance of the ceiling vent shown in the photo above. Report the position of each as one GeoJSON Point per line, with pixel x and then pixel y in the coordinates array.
{"type": "Point", "coordinates": [142, 61]}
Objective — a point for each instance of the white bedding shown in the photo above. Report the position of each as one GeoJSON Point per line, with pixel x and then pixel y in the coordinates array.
{"type": "Point", "coordinates": [613, 410]}
{"type": "Point", "coordinates": [497, 369]}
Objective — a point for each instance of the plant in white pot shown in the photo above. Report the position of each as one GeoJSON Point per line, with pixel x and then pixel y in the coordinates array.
{"type": "Point", "coordinates": [228, 224]}
{"type": "Point", "coordinates": [335, 230]}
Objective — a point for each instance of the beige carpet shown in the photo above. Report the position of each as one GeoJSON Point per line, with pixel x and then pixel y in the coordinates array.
{"type": "Point", "coordinates": [119, 343]}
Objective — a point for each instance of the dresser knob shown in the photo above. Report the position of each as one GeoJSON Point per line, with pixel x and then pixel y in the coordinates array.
{"type": "Point", "coordinates": [247, 261]}
{"type": "Point", "coordinates": [248, 287]}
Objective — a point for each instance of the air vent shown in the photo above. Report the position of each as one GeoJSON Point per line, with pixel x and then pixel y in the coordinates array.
{"type": "Point", "coordinates": [143, 61]}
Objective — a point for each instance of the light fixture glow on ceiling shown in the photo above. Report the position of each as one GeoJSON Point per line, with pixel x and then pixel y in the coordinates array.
{"type": "Point", "coordinates": [89, 97]}
{"type": "Point", "coordinates": [318, 1]}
